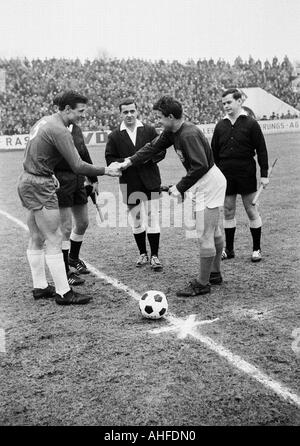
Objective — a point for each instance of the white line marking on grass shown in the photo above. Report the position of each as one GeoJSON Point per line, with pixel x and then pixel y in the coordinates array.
{"type": "Point", "coordinates": [184, 327]}
{"type": "Point", "coordinates": [188, 327]}
{"type": "Point", "coordinates": [15, 220]}
{"type": "Point", "coordinates": [114, 282]}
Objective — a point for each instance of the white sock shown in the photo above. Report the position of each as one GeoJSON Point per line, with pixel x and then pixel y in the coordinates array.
{"type": "Point", "coordinates": [76, 237]}
{"type": "Point", "coordinates": [57, 269]}
{"type": "Point", "coordinates": [255, 223]}
{"type": "Point", "coordinates": [229, 223]}
{"type": "Point", "coordinates": [65, 245]}
{"type": "Point", "coordinates": [36, 260]}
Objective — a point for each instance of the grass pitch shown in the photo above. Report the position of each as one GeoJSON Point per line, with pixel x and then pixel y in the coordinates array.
{"type": "Point", "coordinates": [100, 364]}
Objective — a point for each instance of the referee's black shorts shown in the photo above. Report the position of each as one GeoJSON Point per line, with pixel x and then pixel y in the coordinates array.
{"type": "Point", "coordinates": [72, 191]}
{"type": "Point", "coordinates": [240, 176]}
{"type": "Point", "coordinates": [134, 194]}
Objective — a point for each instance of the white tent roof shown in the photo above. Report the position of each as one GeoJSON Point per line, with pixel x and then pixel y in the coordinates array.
{"type": "Point", "coordinates": [263, 103]}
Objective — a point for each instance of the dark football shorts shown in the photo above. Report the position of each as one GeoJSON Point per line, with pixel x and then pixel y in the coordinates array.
{"type": "Point", "coordinates": [134, 197]}
{"type": "Point", "coordinates": [71, 191]}
{"type": "Point", "coordinates": [36, 192]}
{"type": "Point", "coordinates": [240, 176]}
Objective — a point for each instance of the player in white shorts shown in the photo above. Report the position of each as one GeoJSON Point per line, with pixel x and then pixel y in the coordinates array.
{"type": "Point", "coordinates": [203, 179]}
{"type": "Point", "coordinates": [209, 190]}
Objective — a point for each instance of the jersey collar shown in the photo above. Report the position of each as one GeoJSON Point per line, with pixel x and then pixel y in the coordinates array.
{"type": "Point", "coordinates": [242, 113]}
{"type": "Point", "coordinates": [137, 124]}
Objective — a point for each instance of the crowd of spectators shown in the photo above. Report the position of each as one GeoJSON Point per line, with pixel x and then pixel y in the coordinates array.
{"type": "Point", "coordinates": [287, 115]}
{"type": "Point", "coordinates": [31, 86]}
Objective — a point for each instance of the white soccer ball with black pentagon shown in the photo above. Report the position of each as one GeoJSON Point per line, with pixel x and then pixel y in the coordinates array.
{"type": "Point", "coordinates": [153, 304]}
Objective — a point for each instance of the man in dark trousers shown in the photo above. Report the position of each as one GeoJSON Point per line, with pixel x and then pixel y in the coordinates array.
{"type": "Point", "coordinates": [237, 138]}
{"type": "Point", "coordinates": [73, 208]}
{"type": "Point", "coordinates": [140, 187]}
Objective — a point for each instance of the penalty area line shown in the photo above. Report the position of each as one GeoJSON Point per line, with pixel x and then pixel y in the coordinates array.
{"type": "Point", "coordinates": [184, 327]}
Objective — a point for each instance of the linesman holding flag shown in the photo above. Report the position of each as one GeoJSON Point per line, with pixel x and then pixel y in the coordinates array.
{"type": "Point", "coordinates": [236, 140]}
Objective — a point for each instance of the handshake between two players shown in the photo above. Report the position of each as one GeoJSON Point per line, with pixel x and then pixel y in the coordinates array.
{"type": "Point", "coordinates": [116, 169]}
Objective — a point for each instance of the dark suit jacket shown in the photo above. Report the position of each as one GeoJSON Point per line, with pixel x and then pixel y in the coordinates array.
{"type": "Point", "coordinates": [79, 143]}
{"type": "Point", "coordinates": [145, 177]}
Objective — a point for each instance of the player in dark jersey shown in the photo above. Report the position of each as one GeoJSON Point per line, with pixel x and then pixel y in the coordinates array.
{"type": "Point", "coordinates": [49, 142]}
{"type": "Point", "coordinates": [72, 201]}
{"type": "Point", "coordinates": [203, 180]}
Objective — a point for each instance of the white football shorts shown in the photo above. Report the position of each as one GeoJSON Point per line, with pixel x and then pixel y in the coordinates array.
{"type": "Point", "coordinates": [209, 191]}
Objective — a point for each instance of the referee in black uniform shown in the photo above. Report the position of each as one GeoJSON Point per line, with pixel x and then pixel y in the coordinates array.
{"type": "Point", "coordinates": [236, 140]}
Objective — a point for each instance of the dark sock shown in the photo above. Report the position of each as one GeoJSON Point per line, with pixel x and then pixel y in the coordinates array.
{"type": "Point", "coordinates": [229, 237]}
{"type": "Point", "coordinates": [66, 259]}
{"type": "Point", "coordinates": [74, 250]}
{"type": "Point", "coordinates": [256, 235]}
{"type": "Point", "coordinates": [141, 242]}
{"type": "Point", "coordinates": [154, 243]}
{"type": "Point", "coordinates": [205, 269]}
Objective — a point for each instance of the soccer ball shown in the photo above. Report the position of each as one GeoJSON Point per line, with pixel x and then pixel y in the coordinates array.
{"type": "Point", "coordinates": [153, 304]}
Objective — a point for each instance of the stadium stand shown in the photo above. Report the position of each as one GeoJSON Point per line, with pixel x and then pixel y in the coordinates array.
{"type": "Point", "coordinates": [31, 86]}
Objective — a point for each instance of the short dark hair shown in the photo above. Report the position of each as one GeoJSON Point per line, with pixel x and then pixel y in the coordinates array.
{"type": "Point", "coordinates": [69, 97]}
{"type": "Point", "coordinates": [126, 101]}
{"type": "Point", "coordinates": [167, 105]}
{"type": "Point", "coordinates": [236, 93]}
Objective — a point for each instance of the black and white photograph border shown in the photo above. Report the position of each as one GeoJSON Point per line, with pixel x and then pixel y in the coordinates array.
{"type": "Point", "coordinates": [226, 358]}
